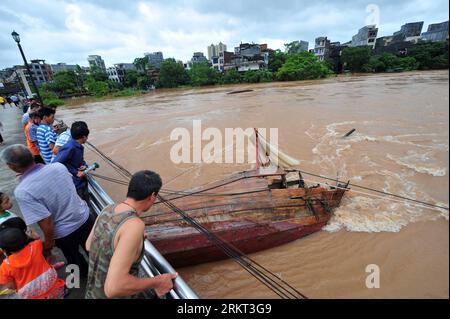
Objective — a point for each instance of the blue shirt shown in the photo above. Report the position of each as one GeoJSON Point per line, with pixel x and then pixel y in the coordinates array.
{"type": "Point", "coordinates": [63, 138]}
{"type": "Point", "coordinates": [25, 118]}
{"type": "Point", "coordinates": [48, 190]}
{"type": "Point", "coordinates": [71, 155]}
{"type": "Point", "coordinates": [46, 136]}
{"type": "Point", "coordinates": [32, 132]}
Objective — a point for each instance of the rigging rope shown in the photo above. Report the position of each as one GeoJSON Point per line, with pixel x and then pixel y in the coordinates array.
{"type": "Point", "coordinates": [269, 279]}
{"type": "Point", "coordinates": [265, 276]}
{"type": "Point", "coordinates": [375, 190]}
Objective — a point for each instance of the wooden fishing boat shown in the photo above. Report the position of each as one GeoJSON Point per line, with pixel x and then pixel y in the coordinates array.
{"type": "Point", "coordinates": [252, 210]}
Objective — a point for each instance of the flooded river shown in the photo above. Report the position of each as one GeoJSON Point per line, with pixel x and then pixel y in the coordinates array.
{"type": "Point", "coordinates": [401, 145]}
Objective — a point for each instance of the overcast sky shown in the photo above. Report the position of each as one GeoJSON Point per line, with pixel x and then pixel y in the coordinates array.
{"type": "Point", "coordinates": [118, 30]}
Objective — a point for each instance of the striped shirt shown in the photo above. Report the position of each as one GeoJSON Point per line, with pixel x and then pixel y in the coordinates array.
{"type": "Point", "coordinates": [46, 136]}
{"type": "Point", "coordinates": [63, 138]}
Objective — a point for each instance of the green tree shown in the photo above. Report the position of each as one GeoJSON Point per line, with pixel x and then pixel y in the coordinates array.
{"type": "Point", "coordinates": [64, 82]}
{"type": "Point", "coordinates": [202, 74]}
{"type": "Point", "coordinates": [302, 66]}
{"type": "Point", "coordinates": [430, 55]}
{"type": "Point", "coordinates": [276, 60]}
{"type": "Point", "coordinates": [356, 57]}
{"type": "Point", "coordinates": [409, 63]}
{"type": "Point", "coordinates": [172, 74]}
{"type": "Point", "coordinates": [144, 82]}
{"type": "Point", "coordinates": [49, 97]}
{"type": "Point", "coordinates": [114, 86]}
{"type": "Point", "coordinates": [256, 76]}
{"type": "Point", "coordinates": [374, 65]}
{"type": "Point", "coordinates": [97, 74]}
{"type": "Point", "coordinates": [131, 78]}
{"type": "Point", "coordinates": [292, 47]}
{"type": "Point", "coordinates": [142, 64]}
{"type": "Point", "coordinates": [98, 88]}
{"type": "Point", "coordinates": [231, 77]}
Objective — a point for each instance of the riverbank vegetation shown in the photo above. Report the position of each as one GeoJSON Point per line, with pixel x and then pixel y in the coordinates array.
{"type": "Point", "coordinates": [422, 56]}
{"type": "Point", "coordinates": [291, 65]}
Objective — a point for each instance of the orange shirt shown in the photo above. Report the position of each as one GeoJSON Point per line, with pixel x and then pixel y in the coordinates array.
{"type": "Point", "coordinates": [34, 149]}
{"type": "Point", "coordinates": [33, 276]}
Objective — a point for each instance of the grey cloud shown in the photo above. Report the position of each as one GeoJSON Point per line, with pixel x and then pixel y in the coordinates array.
{"type": "Point", "coordinates": [120, 31]}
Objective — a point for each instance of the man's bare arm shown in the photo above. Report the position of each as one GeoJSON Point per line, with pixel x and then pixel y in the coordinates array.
{"type": "Point", "coordinates": [119, 282]}
{"type": "Point", "coordinates": [55, 150]}
{"type": "Point", "coordinates": [47, 228]}
{"type": "Point", "coordinates": [91, 235]}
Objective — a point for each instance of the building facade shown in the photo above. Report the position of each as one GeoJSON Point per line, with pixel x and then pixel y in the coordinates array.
{"type": "Point", "coordinates": [155, 59]}
{"type": "Point", "coordinates": [249, 56]}
{"type": "Point", "coordinates": [41, 72]}
{"type": "Point", "coordinates": [224, 58]}
{"type": "Point", "coordinates": [215, 50]}
{"type": "Point", "coordinates": [408, 31]}
{"type": "Point", "coordinates": [96, 60]}
{"type": "Point", "coordinates": [436, 32]}
{"type": "Point", "coordinates": [117, 72]}
{"type": "Point", "coordinates": [366, 36]}
{"type": "Point", "coordinates": [322, 48]}
{"type": "Point", "coordinates": [198, 57]}
{"type": "Point", "coordinates": [59, 67]}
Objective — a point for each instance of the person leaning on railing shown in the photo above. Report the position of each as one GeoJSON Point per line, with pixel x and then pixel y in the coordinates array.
{"type": "Point", "coordinates": [47, 196]}
{"type": "Point", "coordinates": [116, 245]}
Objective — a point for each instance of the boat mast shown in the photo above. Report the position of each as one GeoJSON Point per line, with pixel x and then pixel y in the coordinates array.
{"type": "Point", "coordinates": [258, 164]}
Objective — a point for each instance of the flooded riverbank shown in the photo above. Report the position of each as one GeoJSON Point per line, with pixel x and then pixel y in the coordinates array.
{"type": "Point", "coordinates": [400, 146]}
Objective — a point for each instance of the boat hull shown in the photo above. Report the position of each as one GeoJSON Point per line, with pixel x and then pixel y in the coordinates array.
{"type": "Point", "coordinates": [250, 211]}
{"type": "Point", "coordinates": [247, 237]}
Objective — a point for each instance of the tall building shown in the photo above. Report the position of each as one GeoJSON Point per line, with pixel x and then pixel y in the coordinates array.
{"type": "Point", "coordinates": [322, 48]}
{"type": "Point", "coordinates": [408, 31]}
{"type": "Point", "coordinates": [365, 36]}
{"type": "Point", "coordinates": [249, 56]}
{"type": "Point", "coordinates": [218, 62]}
{"type": "Point", "coordinates": [41, 72]}
{"type": "Point", "coordinates": [436, 32]}
{"type": "Point", "coordinates": [401, 41]}
{"type": "Point", "coordinates": [215, 50]}
{"type": "Point", "coordinates": [155, 59]}
{"type": "Point", "coordinates": [96, 60]}
{"type": "Point", "coordinates": [117, 72]}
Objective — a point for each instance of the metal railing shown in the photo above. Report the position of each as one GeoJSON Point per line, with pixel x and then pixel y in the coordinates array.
{"type": "Point", "coordinates": [153, 263]}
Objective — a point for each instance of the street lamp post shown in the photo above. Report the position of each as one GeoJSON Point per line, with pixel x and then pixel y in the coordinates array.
{"type": "Point", "coordinates": [16, 38]}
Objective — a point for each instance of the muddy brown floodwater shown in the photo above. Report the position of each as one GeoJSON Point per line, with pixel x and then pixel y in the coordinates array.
{"type": "Point", "coordinates": [401, 145]}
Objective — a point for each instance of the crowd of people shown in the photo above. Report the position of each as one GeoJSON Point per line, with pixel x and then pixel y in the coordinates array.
{"type": "Point", "coordinates": [13, 100]}
{"type": "Point", "coordinates": [52, 193]}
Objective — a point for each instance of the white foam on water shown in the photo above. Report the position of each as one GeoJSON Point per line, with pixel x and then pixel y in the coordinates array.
{"type": "Point", "coordinates": [421, 163]}
{"type": "Point", "coordinates": [340, 150]}
{"type": "Point", "coordinates": [364, 214]}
